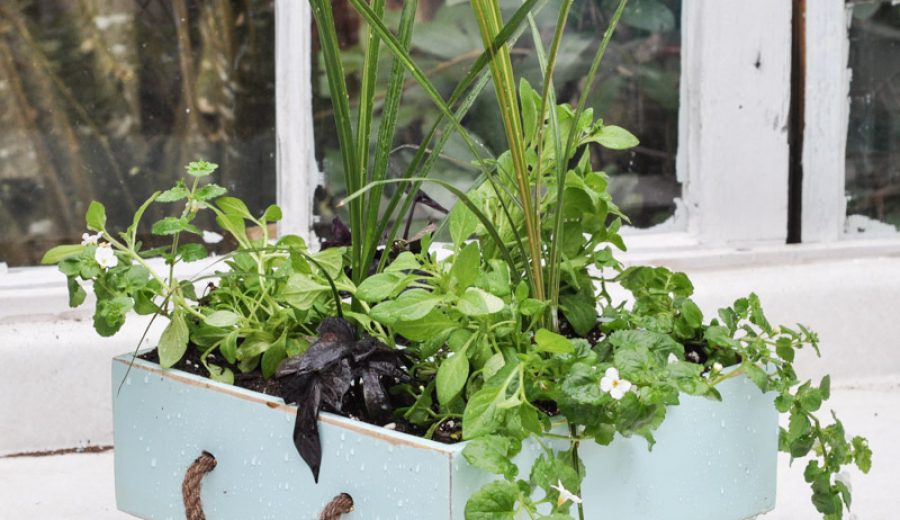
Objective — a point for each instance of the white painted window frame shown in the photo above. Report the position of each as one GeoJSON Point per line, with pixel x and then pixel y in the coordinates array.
{"type": "Point", "coordinates": [732, 158]}
{"type": "Point", "coordinates": [827, 118]}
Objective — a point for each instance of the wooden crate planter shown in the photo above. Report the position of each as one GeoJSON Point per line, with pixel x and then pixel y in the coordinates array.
{"type": "Point", "coordinates": [712, 461]}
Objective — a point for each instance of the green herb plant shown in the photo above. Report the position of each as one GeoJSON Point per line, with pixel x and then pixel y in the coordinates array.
{"type": "Point", "coordinates": [260, 310]}
{"type": "Point", "coordinates": [513, 334]}
{"type": "Point", "coordinates": [506, 331]}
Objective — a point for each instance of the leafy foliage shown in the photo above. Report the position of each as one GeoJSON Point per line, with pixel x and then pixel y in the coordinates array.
{"type": "Point", "coordinates": [510, 331]}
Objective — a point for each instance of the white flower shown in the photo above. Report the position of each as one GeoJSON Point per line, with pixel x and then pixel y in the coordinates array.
{"type": "Point", "coordinates": [211, 237]}
{"type": "Point", "coordinates": [88, 239]}
{"type": "Point", "coordinates": [717, 367]}
{"type": "Point", "coordinates": [672, 359]}
{"type": "Point", "coordinates": [612, 383]}
{"type": "Point", "coordinates": [105, 256]}
{"type": "Point", "coordinates": [565, 495]}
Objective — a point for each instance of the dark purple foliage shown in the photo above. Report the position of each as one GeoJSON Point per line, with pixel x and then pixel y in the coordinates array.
{"type": "Point", "coordinates": [341, 374]}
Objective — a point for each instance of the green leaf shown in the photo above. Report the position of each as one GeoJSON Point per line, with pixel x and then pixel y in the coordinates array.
{"type": "Point", "coordinates": [200, 168]}
{"type": "Point", "coordinates": [234, 207]}
{"type": "Point", "coordinates": [210, 191]}
{"type": "Point", "coordinates": [580, 310]}
{"type": "Point", "coordinates": [192, 252]}
{"type": "Point", "coordinates": [409, 306]}
{"type": "Point", "coordinates": [552, 342]}
{"type": "Point", "coordinates": [173, 225]}
{"type": "Point", "coordinates": [222, 375]}
{"type": "Point", "coordinates": [273, 357]}
{"type": "Point", "coordinates": [462, 223]}
{"type": "Point", "coordinates": [234, 225]}
{"type": "Point", "coordinates": [582, 384]}
{"type": "Point", "coordinates": [59, 253]}
{"type": "Point", "coordinates": [222, 319]}
{"type": "Point", "coordinates": [758, 376]}
{"type": "Point", "coordinates": [433, 325]}
{"type": "Point", "coordinates": [452, 376]}
{"type": "Point", "coordinates": [532, 307]}
{"type": "Point", "coordinates": [478, 302]}
{"type": "Point", "coordinates": [466, 266]}
{"type": "Point", "coordinates": [405, 261]}
{"type": "Point", "coordinates": [173, 342]}
{"type": "Point", "coordinates": [380, 286]}
{"type": "Point", "coordinates": [331, 261]}
{"type": "Point", "coordinates": [76, 292]}
{"type": "Point", "coordinates": [784, 347]}
{"type": "Point", "coordinates": [253, 346]}
{"type": "Point", "coordinates": [692, 314]}
{"type": "Point", "coordinates": [491, 453]}
{"type": "Point", "coordinates": [616, 138]}
{"type": "Point", "coordinates": [272, 214]}
{"type": "Point", "coordinates": [96, 216]}
{"type": "Point", "coordinates": [482, 417]}
{"type": "Point", "coordinates": [494, 501]}
{"type": "Point", "coordinates": [176, 193]}
{"type": "Point", "coordinates": [301, 291]}
{"type": "Point", "coordinates": [228, 347]}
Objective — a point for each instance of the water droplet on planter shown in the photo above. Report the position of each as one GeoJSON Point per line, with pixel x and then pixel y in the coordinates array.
{"type": "Point", "coordinates": [146, 379]}
{"type": "Point", "coordinates": [287, 457]}
{"type": "Point", "coordinates": [128, 381]}
{"type": "Point", "coordinates": [153, 462]}
{"type": "Point", "coordinates": [362, 467]}
{"type": "Point", "coordinates": [723, 423]}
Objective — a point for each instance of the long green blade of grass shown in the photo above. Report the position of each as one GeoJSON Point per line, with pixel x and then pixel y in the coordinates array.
{"type": "Point", "coordinates": [553, 261]}
{"type": "Point", "coordinates": [387, 129]}
{"type": "Point", "coordinates": [490, 21]}
{"type": "Point", "coordinates": [402, 57]}
{"type": "Point", "coordinates": [461, 195]}
{"type": "Point", "coordinates": [548, 102]}
{"type": "Point", "coordinates": [363, 130]}
{"type": "Point", "coordinates": [340, 98]}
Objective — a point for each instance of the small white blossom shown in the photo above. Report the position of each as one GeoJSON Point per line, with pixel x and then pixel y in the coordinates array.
{"type": "Point", "coordinates": [211, 237]}
{"type": "Point", "coordinates": [612, 383]}
{"type": "Point", "coordinates": [105, 256]}
{"type": "Point", "coordinates": [88, 239]}
{"type": "Point", "coordinates": [565, 495]}
{"type": "Point", "coordinates": [672, 359]}
{"type": "Point", "coordinates": [717, 367]}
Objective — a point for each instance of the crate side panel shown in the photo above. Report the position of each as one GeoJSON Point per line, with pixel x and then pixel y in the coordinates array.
{"type": "Point", "coordinates": [162, 424]}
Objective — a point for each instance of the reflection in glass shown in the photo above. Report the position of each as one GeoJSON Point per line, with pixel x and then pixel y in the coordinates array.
{"type": "Point", "coordinates": [873, 137]}
{"type": "Point", "coordinates": [637, 89]}
{"type": "Point", "coordinates": [109, 99]}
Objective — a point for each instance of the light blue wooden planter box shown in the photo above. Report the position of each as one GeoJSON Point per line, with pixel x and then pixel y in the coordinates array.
{"type": "Point", "coordinates": [712, 461]}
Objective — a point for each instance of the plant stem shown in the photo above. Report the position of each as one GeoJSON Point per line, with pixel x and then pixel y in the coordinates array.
{"type": "Point", "coordinates": [575, 459]}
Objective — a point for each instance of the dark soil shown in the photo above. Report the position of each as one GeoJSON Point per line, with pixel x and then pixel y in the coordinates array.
{"type": "Point", "coordinates": [449, 432]}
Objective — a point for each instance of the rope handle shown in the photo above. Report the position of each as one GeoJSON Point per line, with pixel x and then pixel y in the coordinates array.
{"type": "Point", "coordinates": [206, 462]}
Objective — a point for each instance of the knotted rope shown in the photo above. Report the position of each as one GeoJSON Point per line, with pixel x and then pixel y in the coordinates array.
{"type": "Point", "coordinates": [193, 477]}
{"type": "Point", "coordinates": [339, 505]}
{"type": "Point", "coordinates": [190, 487]}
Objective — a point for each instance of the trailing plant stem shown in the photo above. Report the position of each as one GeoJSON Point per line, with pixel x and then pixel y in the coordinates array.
{"type": "Point", "coordinates": [576, 466]}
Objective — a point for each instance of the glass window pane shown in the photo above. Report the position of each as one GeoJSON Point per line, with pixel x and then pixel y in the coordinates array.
{"type": "Point", "coordinates": [109, 99]}
{"type": "Point", "coordinates": [638, 88]}
{"type": "Point", "coordinates": [873, 137]}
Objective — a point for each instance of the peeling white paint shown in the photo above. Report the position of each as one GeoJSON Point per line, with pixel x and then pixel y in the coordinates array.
{"type": "Point", "coordinates": [735, 96]}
